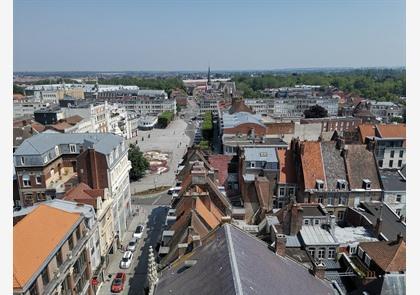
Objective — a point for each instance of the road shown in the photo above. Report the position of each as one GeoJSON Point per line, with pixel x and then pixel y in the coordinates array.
{"type": "Point", "coordinates": [155, 210]}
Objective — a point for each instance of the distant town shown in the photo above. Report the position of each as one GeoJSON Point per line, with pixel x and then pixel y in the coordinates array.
{"type": "Point", "coordinates": [210, 182]}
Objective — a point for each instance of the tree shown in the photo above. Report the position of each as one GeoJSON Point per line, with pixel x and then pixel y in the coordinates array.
{"type": "Point", "coordinates": [18, 90]}
{"type": "Point", "coordinates": [207, 126]}
{"type": "Point", "coordinates": [139, 163]}
{"type": "Point", "coordinates": [165, 118]}
{"type": "Point", "coordinates": [316, 111]}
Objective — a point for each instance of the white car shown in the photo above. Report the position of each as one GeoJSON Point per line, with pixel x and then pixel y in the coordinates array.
{"type": "Point", "coordinates": [138, 232]}
{"type": "Point", "coordinates": [126, 260]}
{"type": "Point", "coordinates": [132, 245]}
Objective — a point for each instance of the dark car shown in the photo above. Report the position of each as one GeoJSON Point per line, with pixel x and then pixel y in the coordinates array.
{"type": "Point", "coordinates": [118, 283]}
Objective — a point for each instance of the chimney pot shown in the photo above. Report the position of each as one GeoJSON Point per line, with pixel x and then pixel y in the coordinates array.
{"type": "Point", "coordinates": [319, 269]}
{"type": "Point", "coordinates": [280, 243]}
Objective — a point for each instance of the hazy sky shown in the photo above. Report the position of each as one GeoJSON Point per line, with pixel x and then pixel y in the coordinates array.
{"type": "Point", "coordinates": [117, 35]}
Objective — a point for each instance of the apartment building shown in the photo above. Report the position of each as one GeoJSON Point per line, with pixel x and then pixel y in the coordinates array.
{"type": "Point", "coordinates": [294, 106]}
{"type": "Point", "coordinates": [97, 113]}
{"type": "Point", "coordinates": [56, 92]}
{"type": "Point", "coordinates": [147, 105]}
{"type": "Point", "coordinates": [50, 164]}
{"type": "Point", "coordinates": [388, 143]}
{"type": "Point", "coordinates": [26, 108]}
{"type": "Point", "coordinates": [335, 123]}
{"type": "Point", "coordinates": [53, 261]}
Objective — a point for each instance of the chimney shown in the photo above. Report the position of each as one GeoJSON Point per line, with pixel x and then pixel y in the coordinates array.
{"type": "Point", "coordinates": [378, 226]}
{"type": "Point", "coordinates": [182, 248]}
{"type": "Point", "coordinates": [226, 219]}
{"type": "Point", "coordinates": [345, 151]}
{"type": "Point", "coordinates": [296, 218]}
{"type": "Point", "coordinates": [399, 237]}
{"type": "Point", "coordinates": [280, 244]}
{"type": "Point", "coordinates": [319, 269]}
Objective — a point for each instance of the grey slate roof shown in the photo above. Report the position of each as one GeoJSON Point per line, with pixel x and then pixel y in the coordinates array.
{"type": "Point", "coordinates": [391, 226]}
{"type": "Point", "coordinates": [333, 164]}
{"type": "Point", "coordinates": [43, 142]}
{"type": "Point", "coordinates": [392, 181]}
{"type": "Point", "coordinates": [390, 284]}
{"type": "Point", "coordinates": [361, 165]}
{"type": "Point", "coordinates": [231, 261]}
{"type": "Point", "coordinates": [315, 235]}
{"type": "Point", "coordinates": [261, 154]}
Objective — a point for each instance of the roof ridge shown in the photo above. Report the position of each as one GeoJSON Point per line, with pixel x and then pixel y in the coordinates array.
{"type": "Point", "coordinates": [322, 162]}
{"type": "Point", "coordinates": [233, 262]}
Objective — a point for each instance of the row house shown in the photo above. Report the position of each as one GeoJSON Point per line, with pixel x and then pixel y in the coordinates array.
{"type": "Point", "coordinates": [336, 175]}
{"type": "Point", "coordinates": [388, 141]}
{"type": "Point", "coordinates": [198, 209]}
{"type": "Point", "coordinates": [394, 189]}
{"type": "Point", "coordinates": [53, 261]}
{"type": "Point", "coordinates": [97, 113]}
{"type": "Point", "coordinates": [335, 123]}
{"type": "Point", "coordinates": [50, 164]}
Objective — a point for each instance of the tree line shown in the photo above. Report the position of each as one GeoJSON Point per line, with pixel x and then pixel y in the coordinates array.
{"type": "Point", "coordinates": [379, 84]}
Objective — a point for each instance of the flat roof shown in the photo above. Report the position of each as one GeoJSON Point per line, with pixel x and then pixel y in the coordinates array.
{"type": "Point", "coordinates": [260, 154]}
{"type": "Point", "coordinates": [352, 234]}
{"type": "Point", "coordinates": [315, 235]}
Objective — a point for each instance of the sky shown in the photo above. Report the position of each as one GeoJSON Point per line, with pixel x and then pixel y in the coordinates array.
{"type": "Point", "coordinates": [170, 35]}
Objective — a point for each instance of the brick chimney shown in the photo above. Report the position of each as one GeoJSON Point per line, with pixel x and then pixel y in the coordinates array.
{"type": "Point", "coordinates": [399, 237]}
{"type": "Point", "coordinates": [280, 244]}
{"type": "Point", "coordinates": [198, 173]}
{"type": "Point", "coordinates": [319, 269]}
{"type": "Point", "coordinates": [296, 218]}
{"type": "Point", "coordinates": [226, 219]}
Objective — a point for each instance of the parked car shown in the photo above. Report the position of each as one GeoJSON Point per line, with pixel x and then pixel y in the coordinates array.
{"type": "Point", "coordinates": [138, 232]}
{"type": "Point", "coordinates": [132, 245]}
{"type": "Point", "coordinates": [126, 260]}
{"type": "Point", "coordinates": [118, 283]}
{"type": "Point", "coordinates": [173, 190]}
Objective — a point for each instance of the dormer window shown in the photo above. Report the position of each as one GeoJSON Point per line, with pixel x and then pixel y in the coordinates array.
{"type": "Point", "coordinates": [57, 152]}
{"type": "Point", "coordinates": [263, 154]}
{"type": "Point", "coordinates": [319, 184]}
{"type": "Point", "coordinates": [22, 160]}
{"type": "Point", "coordinates": [341, 184]}
{"type": "Point", "coordinates": [366, 184]}
{"type": "Point", "coordinates": [72, 148]}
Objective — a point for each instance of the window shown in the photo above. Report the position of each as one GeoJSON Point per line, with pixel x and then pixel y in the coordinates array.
{"type": "Point", "coordinates": [316, 221]}
{"type": "Point", "coordinates": [45, 277]}
{"type": "Point", "coordinates": [22, 160]}
{"type": "Point", "coordinates": [57, 152]}
{"type": "Point", "coordinates": [340, 215]}
{"type": "Point", "coordinates": [252, 164]}
{"type": "Point", "coordinates": [398, 211]}
{"type": "Point", "coordinates": [330, 201]}
{"type": "Point", "coordinates": [311, 251]}
{"type": "Point", "coordinates": [59, 258]}
{"type": "Point", "coordinates": [33, 290]}
{"type": "Point", "coordinates": [306, 221]}
{"type": "Point", "coordinates": [380, 163]}
{"type": "Point", "coordinates": [291, 191]}
{"type": "Point", "coordinates": [320, 200]}
{"type": "Point", "coordinates": [321, 253]}
{"type": "Point", "coordinates": [71, 245]}
{"type": "Point", "coordinates": [352, 250]}
{"type": "Point", "coordinates": [360, 253]}
{"type": "Point", "coordinates": [367, 260]}
{"type": "Point", "coordinates": [72, 148]}
{"type": "Point", "coordinates": [319, 184]}
{"type": "Point", "coordinates": [38, 179]}
{"type": "Point", "coordinates": [398, 199]}
{"type": "Point", "coordinates": [45, 159]}
{"type": "Point", "coordinates": [331, 253]}
{"type": "Point", "coordinates": [401, 154]}
{"type": "Point", "coordinates": [282, 191]}
{"type": "Point", "coordinates": [391, 163]}
{"type": "Point", "coordinates": [343, 200]}
{"type": "Point", "coordinates": [399, 163]}
{"type": "Point", "coordinates": [26, 180]}
{"type": "Point", "coordinates": [392, 154]}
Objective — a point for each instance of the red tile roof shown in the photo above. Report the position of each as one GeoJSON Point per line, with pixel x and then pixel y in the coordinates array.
{"type": "Point", "coordinates": [366, 130]}
{"type": "Point", "coordinates": [312, 164]}
{"type": "Point", "coordinates": [73, 120]}
{"type": "Point", "coordinates": [389, 256]}
{"type": "Point", "coordinates": [38, 127]}
{"type": "Point", "coordinates": [391, 130]}
{"type": "Point", "coordinates": [83, 193]}
{"type": "Point", "coordinates": [221, 163]}
{"type": "Point", "coordinates": [287, 171]}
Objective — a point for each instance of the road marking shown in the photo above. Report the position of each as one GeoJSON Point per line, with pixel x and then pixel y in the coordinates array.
{"type": "Point", "coordinates": [154, 203]}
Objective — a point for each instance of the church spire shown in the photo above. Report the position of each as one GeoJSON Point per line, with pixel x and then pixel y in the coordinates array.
{"type": "Point", "coordinates": [208, 77]}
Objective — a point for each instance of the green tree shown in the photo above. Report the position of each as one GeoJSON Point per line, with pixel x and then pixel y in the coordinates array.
{"type": "Point", "coordinates": [139, 164]}
{"type": "Point", "coordinates": [207, 126]}
{"type": "Point", "coordinates": [165, 118]}
{"type": "Point", "coordinates": [18, 90]}
{"type": "Point", "coordinates": [315, 111]}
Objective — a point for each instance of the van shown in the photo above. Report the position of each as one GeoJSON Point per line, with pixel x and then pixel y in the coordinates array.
{"type": "Point", "coordinates": [174, 190]}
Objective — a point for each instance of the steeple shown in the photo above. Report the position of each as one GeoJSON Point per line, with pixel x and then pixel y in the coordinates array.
{"type": "Point", "coordinates": [208, 77]}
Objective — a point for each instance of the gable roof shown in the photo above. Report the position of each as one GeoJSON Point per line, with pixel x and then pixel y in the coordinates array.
{"type": "Point", "coordinates": [312, 164]}
{"type": "Point", "coordinates": [287, 169]}
{"type": "Point", "coordinates": [238, 105]}
{"type": "Point", "coordinates": [221, 163]}
{"type": "Point", "coordinates": [361, 164]}
{"type": "Point", "coordinates": [333, 164]}
{"type": "Point", "coordinates": [366, 130]}
{"type": "Point", "coordinates": [231, 261]}
{"type": "Point", "coordinates": [389, 256]}
{"type": "Point", "coordinates": [83, 193]}
{"type": "Point", "coordinates": [44, 229]}
{"type": "Point", "coordinates": [391, 130]}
